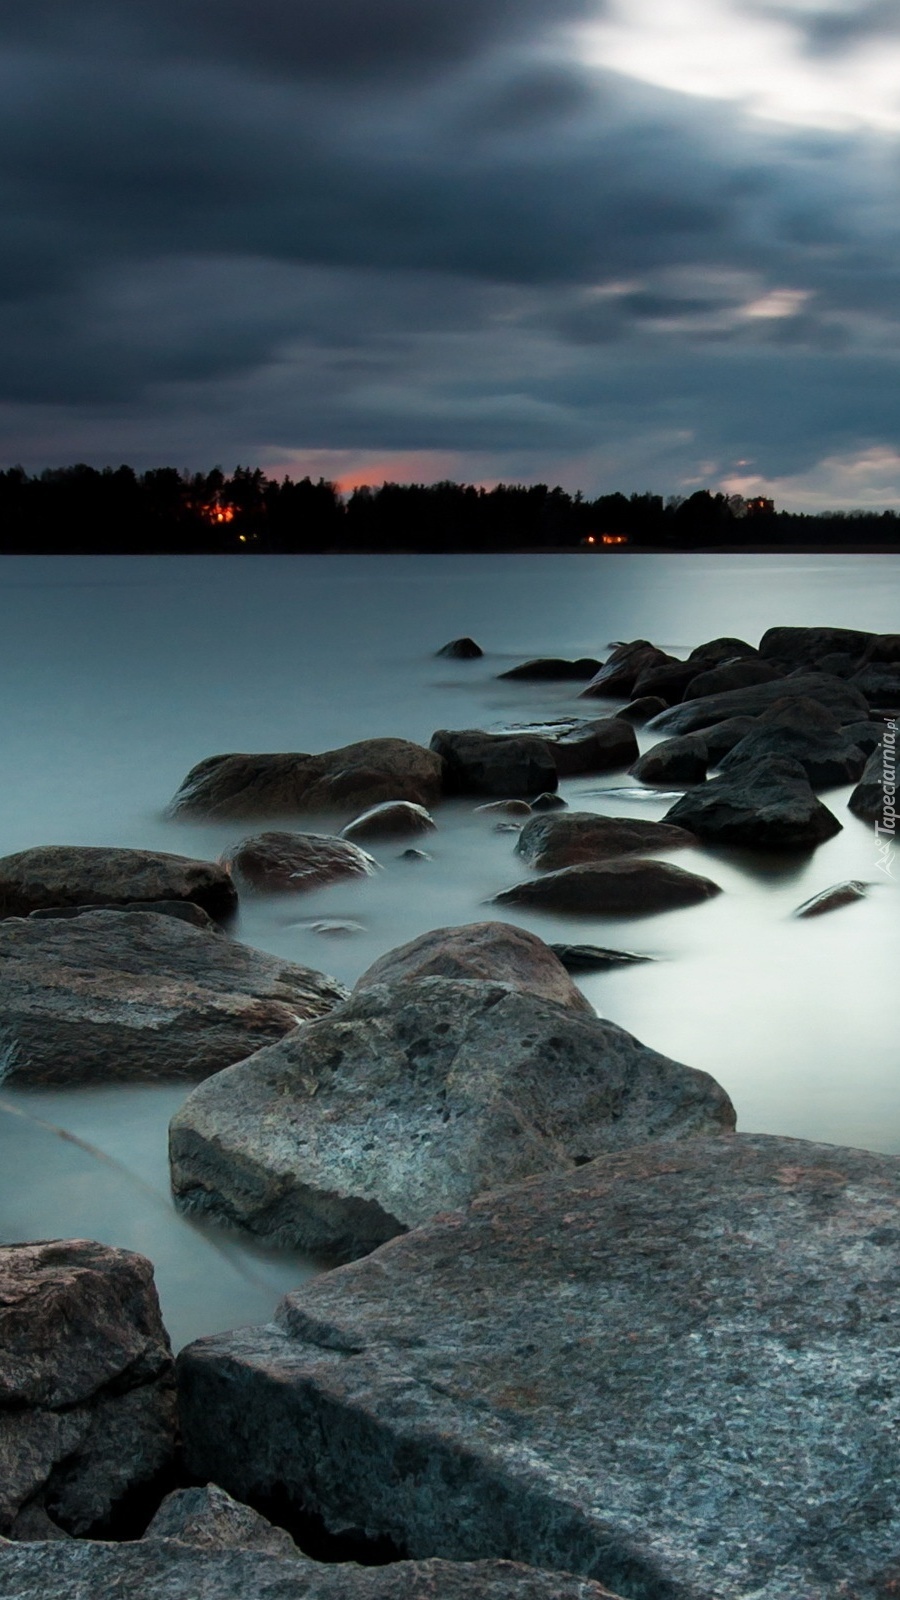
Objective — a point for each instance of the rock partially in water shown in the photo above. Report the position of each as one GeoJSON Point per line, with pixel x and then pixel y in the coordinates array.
{"type": "Point", "coordinates": [668, 681]}
{"type": "Point", "coordinates": [767, 804]}
{"type": "Point", "coordinates": [741, 674]}
{"type": "Point", "coordinates": [553, 667]}
{"type": "Point", "coordinates": [875, 797]}
{"type": "Point", "coordinates": [723, 736]}
{"type": "Point", "coordinates": [184, 910]}
{"type": "Point", "coordinates": [413, 1098]}
{"type": "Point", "coordinates": [348, 779]}
{"type": "Point", "coordinates": [495, 952]}
{"type": "Point", "coordinates": [672, 1369]}
{"type": "Point", "coordinates": [619, 674]}
{"type": "Point", "coordinates": [642, 709]}
{"type": "Point", "coordinates": [593, 957]}
{"type": "Point", "coordinates": [717, 651]}
{"type": "Point", "coordinates": [87, 1387]}
{"type": "Point", "coordinates": [580, 746]}
{"type": "Point", "coordinates": [695, 716]}
{"type": "Point", "coordinates": [390, 820]}
{"type": "Point", "coordinates": [548, 802]}
{"type": "Point", "coordinates": [506, 765]}
{"type": "Point", "coordinates": [504, 808]}
{"type": "Point", "coordinates": [290, 863]}
{"type": "Point", "coordinates": [210, 1519]}
{"type": "Point", "coordinates": [552, 841]}
{"type": "Point", "coordinates": [134, 997]}
{"type": "Point", "coordinates": [805, 647]}
{"type": "Point", "coordinates": [683, 759]}
{"type": "Point", "coordinates": [63, 875]}
{"type": "Point", "coordinates": [628, 886]}
{"type": "Point", "coordinates": [801, 730]}
{"type": "Point", "coordinates": [464, 649]}
{"type": "Point", "coordinates": [840, 894]}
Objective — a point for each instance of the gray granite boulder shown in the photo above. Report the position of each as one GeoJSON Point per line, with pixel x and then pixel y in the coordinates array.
{"type": "Point", "coordinates": [497, 952]}
{"type": "Point", "coordinates": [674, 1370]}
{"type": "Point", "coordinates": [840, 894]}
{"type": "Point", "coordinates": [683, 759]}
{"type": "Point", "coordinates": [113, 996]}
{"type": "Point", "coordinates": [507, 765]}
{"type": "Point", "coordinates": [694, 716]}
{"type": "Point", "coordinates": [767, 803]}
{"type": "Point", "coordinates": [391, 820]}
{"type": "Point", "coordinates": [289, 863]}
{"type": "Point", "coordinates": [60, 875]}
{"type": "Point", "coordinates": [803, 731]}
{"type": "Point", "coordinates": [627, 886]}
{"type": "Point", "coordinates": [87, 1390]}
{"type": "Point", "coordinates": [875, 796]}
{"type": "Point", "coordinates": [410, 1100]}
{"type": "Point", "coordinates": [210, 1519]}
{"type": "Point", "coordinates": [552, 840]}
{"type": "Point", "coordinates": [348, 779]}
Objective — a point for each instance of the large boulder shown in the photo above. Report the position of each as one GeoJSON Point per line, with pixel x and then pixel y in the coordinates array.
{"type": "Point", "coordinates": [847, 703]}
{"type": "Point", "coordinates": [805, 647]}
{"type": "Point", "coordinates": [880, 684]}
{"type": "Point", "coordinates": [803, 731]}
{"type": "Point", "coordinates": [496, 952]}
{"type": "Point", "coordinates": [673, 1370]}
{"type": "Point", "coordinates": [683, 759]}
{"type": "Point", "coordinates": [87, 1388]}
{"type": "Point", "coordinates": [551, 841]}
{"type": "Point", "coordinates": [620, 672]}
{"type": "Point", "coordinates": [581, 746]}
{"type": "Point", "coordinates": [554, 667]}
{"type": "Point", "coordinates": [628, 886]}
{"type": "Point", "coordinates": [669, 681]}
{"type": "Point", "coordinates": [289, 863]}
{"type": "Point", "coordinates": [59, 875]}
{"type": "Point", "coordinates": [507, 765]}
{"type": "Point", "coordinates": [113, 996]}
{"type": "Point", "coordinates": [716, 651]}
{"type": "Point", "coordinates": [413, 1098]}
{"type": "Point", "coordinates": [348, 779]}
{"type": "Point", "coordinates": [721, 737]}
{"type": "Point", "coordinates": [875, 796]}
{"type": "Point", "coordinates": [768, 803]}
{"type": "Point", "coordinates": [391, 820]}
{"type": "Point", "coordinates": [742, 674]}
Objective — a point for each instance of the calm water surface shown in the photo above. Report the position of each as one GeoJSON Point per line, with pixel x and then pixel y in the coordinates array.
{"type": "Point", "coordinates": [120, 674]}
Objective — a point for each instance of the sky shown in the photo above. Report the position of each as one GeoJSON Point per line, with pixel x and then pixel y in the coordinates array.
{"type": "Point", "coordinates": [612, 244]}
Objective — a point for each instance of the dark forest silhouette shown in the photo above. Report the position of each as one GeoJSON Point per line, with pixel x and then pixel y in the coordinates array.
{"type": "Point", "coordinates": [81, 510]}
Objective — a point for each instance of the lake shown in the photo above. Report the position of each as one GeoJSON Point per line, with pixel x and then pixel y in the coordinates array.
{"type": "Point", "coordinates": [121, 673]}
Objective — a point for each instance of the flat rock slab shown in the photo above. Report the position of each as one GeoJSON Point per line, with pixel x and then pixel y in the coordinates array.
{"type": "Point", "coordinates": [765, 804]}
{"type": "Point", "coordinates": [674, 1370]}
{"type": "Point", "coordinates": [628, 886]}
{"type": "Point", "coordinates": [290, 863]}
{"type": "Point", "coordinates": [60, 875]}
{"type": "Point", "coordinates": [497, 952]}
{"type": "Point", "coordinates": [549, 842]}
{"type": "Point", "coordinates": [413, 1098]}
{"type": "Point", "coordinates": [87, 1382]}
{"type": "Point", "coordinates": [847, 703]}
{"type": "Point", "coordinates": [136, 997]}
{"type": "Point", "coordinates": [347, 779]}
{"type": "Point", "coordinates": [506, 765]}
{"type": "Point", "coordinates": [593, 957]}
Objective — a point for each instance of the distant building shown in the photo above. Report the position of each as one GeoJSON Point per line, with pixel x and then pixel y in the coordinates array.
{"type": "Point", "coordinates": [760, 507]}
{"type": "Point", "coordinates": [604, 541]}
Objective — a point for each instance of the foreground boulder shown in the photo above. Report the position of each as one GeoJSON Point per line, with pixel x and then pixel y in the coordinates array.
{"type": "Point", "coordinates": [392, 819]}
{"type": "Point", "coordinates": [846, 702]}
{"type": "Point", "coordinates": [803, 731]}
{"type": "Point", "coordinates": [60, 875]}
{"type": "Point", "coordinates": [507, 765]}
{"type": "Point", "coordinates": [496, 952]}
{"type": "Point", "coordinates": [410, 1100]}
{"type": "Point", "coordinates": [671, 1370]}
{"type": "Point", "coordinates": [114, 996]}
{"type": "Point", "coordinates": [348, 779]}
{"type": "Point", "coordinates": [551, 841]}
{"type": "Point", "coordinates": [627, 886]}
{"type": "Point", "coordinates": [87, 1390]}
{"type": "Point", "coordinates": [768, 803]}
{"type": "Point", "coordinates": [288, 863]}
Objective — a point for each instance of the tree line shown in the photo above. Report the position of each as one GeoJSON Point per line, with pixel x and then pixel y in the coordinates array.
{"type": "Point", "coordinates": [83, 510]}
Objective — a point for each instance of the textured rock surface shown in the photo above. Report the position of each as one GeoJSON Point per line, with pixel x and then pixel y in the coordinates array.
{"type": "Point", "coordinates": [552, 841]}
{"type": "Point", "coordinates": [584, 746]}
{"type": "Point", "coordinates": [627, 886]}
{"type": "Point", "coordinates": [620, 672]}
{"type": "Point", "coordinates": [212, 1520]}
{"type": "Point", "coordinates": [880, 684]}
{"type": "Point", "coordinates": [723, 736]}
{"type": "Point", "coordinates": [348, 779]}
{"type": "Point", "coordinates": [136, 997]}
{"type": "Point", "coordinates": [496, 952]}
{"type": "Point", "coordinates": [87, 1392]}
{"type": "Point", "coordinates": [767, 803]}
{"type": "Point", "coordinates": [693, 716]}
{"type": "Point", "coordinates": [413, 1098]}
{"type": "Point", "coordinates": [741, 674]}
{"type": "Point", "coordinates": [801, 647]}
{"type": "Point", "coordinates": [291, 862]}
{"type": "Point", "coordinates": [60, 875]}
{"type": "Point", "coordinates": [674, 1369]}
{"type": "Point", "coordinates": [184, 910]}
{"type": "Point", "coordinates": [871, 798]}
{"type": "Point", "coordinates": [507, 765]}
{"type": "Point", "coordinates": [715, 651]}
{"type": "Point", "coordinates": [390, 820]}
{"type": "Point", "coordinates": [683, 759]}
{"type": "Point", "coordinates": [840, 894]}
{"type": "Point", "coordinates": [642, 709]}
{"type": "Point", "coordinates": [668, 681]}
{"type": "Point", "coordinates": [801, 730]}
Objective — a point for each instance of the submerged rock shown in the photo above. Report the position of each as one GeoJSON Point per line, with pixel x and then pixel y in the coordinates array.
{"type": "Point", "coordinates": [63, 875]}
{"type": "Point", "coordinates": [671, 1370]}
{"type": "Point", "coordinates": [504, 808]}
{"type": "Point", "coordinates": [414, 1097]}
{"type": "Point", "coordinates": [495, 952]}
{"type": "Point", "coordinates": [549, 802]}
{"type": "Point", "coordinates": [391, 819]}
{"type": "Point", "coordinates": [840, 894]}
{"type": "Point", "coordinates": [683, 759]}
{"type": "Point", "coordinates": [289, 863]}
{"type": "Point", "coordinates": [552, 667]}
{"type": "Point", "coordinates": [464, 649]}
{"type": "Point", "coordinates": [494, 763]}
{"type": "Point", "coordinates": [134, 997]}
{"type": "Point", "coordinates": [627, 886]}
{"type": "Point", "coordinates": [348, 779]}
{"type": "Point", "coordinates": [593, 957]}
{"type": "Point", "coordinates": [551, 841]}
{"type": "Point", "coordinates": [767, 803]}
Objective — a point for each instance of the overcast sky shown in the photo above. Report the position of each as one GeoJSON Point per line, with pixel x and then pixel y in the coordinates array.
{"type": "Point", "coordinates": [633, 244]}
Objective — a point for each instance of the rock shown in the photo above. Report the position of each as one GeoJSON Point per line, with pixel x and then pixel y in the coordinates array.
{"type": "Point", "coordinates": [210, 1519]}
{"type": "Point", "coordinates": [717, 651]}
{"type": "Point", "coordinates": [879, 684]}
{"type": "Point", "coordinates": [642, 709]}
{"type": "Point", "coordinates": [683, 759]}
{"type": "Point", "coordinates": [875, 796]}
{"type": "Point", "coordinates": [593, 958]}
{"type": "Point", "coordinates": [667, 681]}
{"type": "Point", "coordinates": [672, 1369]}
{"type": "Point", "coordinates": [741, 674]}
{"type": "Point", "coordinates": [548, 802]}
{"type": "Point", "coordinates": [464, 649]}
{"type": "Point", "coordinates": [866, 735]}
{"type": "Point", "coordinates": [549, 842]}
{"type": "Point", "coordinates": [414, 855]}
{"type": "Point", "coordinates": [723, 736]}
{"type": "Point", "coordinates": [551, 667]}
{"type": "Point", "coordinates": [390, 819]}
{"type": "Point", "coordinates": [184, 910]}
{"type": "Point", "coordinates": [628, 886]}
{"type": "Point", "coordinates": [618, 676]}
{"type": "Point", "coordinates": [495, 952]}
{"type": "Point", "coordinates": [803, 647]}
{"type": "Point", "coordinates": [579, 746]}
{"type": "Point", "coordinates": [768, 803]}
{"type": "Point", "coordinates": [87, 1391]}
{"type": "Point", "coordinates": [412, 1099]}
{"type": "Point", "coordinates": [504, 808]}
{"type": "Point", "coordinates": [62, 875]}
{"type": "Point", "coordinates": [803, 731]}
{"type": "Point", "coordinates": [289, 863]}
{"type": "Point", "coordinates": [136, 997]}
{"type": "Point", "coordinates": [492, 763]}
{"type": "Point", "coordinates": [883, 647]}
{"type": "Point", "coordinates": [840, 894]}
{"type": "Point", "coordinates": [695, 716]}
{"type": "Point", "coordinates": [349, 779]}
{"type": "Point", "coordinates": [335, 927]}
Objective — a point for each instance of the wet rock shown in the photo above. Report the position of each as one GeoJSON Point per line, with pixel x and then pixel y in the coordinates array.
{"type": "Point", "coordinates": [412, 1099]}
{"type": "Point", "coordinates": [552, 667]}
{"type": "Point", "coordinates": [335, 928]}
{"type": "Point", "coordinates": [87, 1391]}
{"type": "Point", "coordinates": [184, 910]}
{"type": "Point", "coordinates": [593, 957]}
{"type": "Point", "coordinates": [741, 674]}
{"type": "Point", "coordinates": [581, 746]}
{"type": "Point", "coordinates": [723, 736]}
{"type": "Point", "coordinates": [494, 763]}
{"type": "Point", "coordinates": [804, 647]}
{"type": "Point", "coordinates": [210, 1519]}
{"type": "Point", "coordinates": [619, 674]}
{"type": "Point", "coordinates": [348, 779]}
{"type": "Point", "coordinates": [880, 684]}
{"type": "Point", "coordinates": [695, 716]}
{"type": "Point", "coordinates": [504, 808]}
{"type": "Point", "coordinates": [414, 855]}
{"type": "Point", "coordinates": [642, 709]}
{"type": "Point", "coordinates": [672, 1369]}
{"type": "Point", "coordinates": [549, 842]}
{"type": "Point", "coordinates": [768, 804]}
{"type": "Point", "coordinates": [875, 796]}
{"type": "Point", "coordinates": [883, 647]}
{"type": "Point", "coordinates": [803, 731]}
{"type": "Point", "coordinates": [717, 651]}
{"type": "Point", "coordinates": [866, 735]}
{"type": "Point", "coordinates": [840, 894]}
{"type": "Point", "coordinates": [61, 875]}
{"type": "Point", "coordinates": [136, 997]}
{"type": "Point", "coordinates": [387, 821]}
{"type": "Point", "coordinates": [464, 649]}
{"type": "Point", "coordinates": [683, 759]}
{"type": "Point", "coordinates": [495, 952]}
{"type": "Point", "coordinates": [628, 886]}
{"type": "Point", "coordinates": [290, 863]}
{"type": "Point", "coordinates": [548, 802]}
{"type": "Point", "coordinates": [667, 681]}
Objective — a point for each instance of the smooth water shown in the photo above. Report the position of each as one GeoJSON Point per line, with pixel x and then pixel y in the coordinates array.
{"type": "Point", "coordinates": [120, 674]}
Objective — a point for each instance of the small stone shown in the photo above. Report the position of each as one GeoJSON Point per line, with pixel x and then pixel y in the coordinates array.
{"type": "Point", "coordinates": [548, 802]}
{"type": "Point", "coordinates": [841, 894]}
{"type": "Point", "coordinates": [464, 649]}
